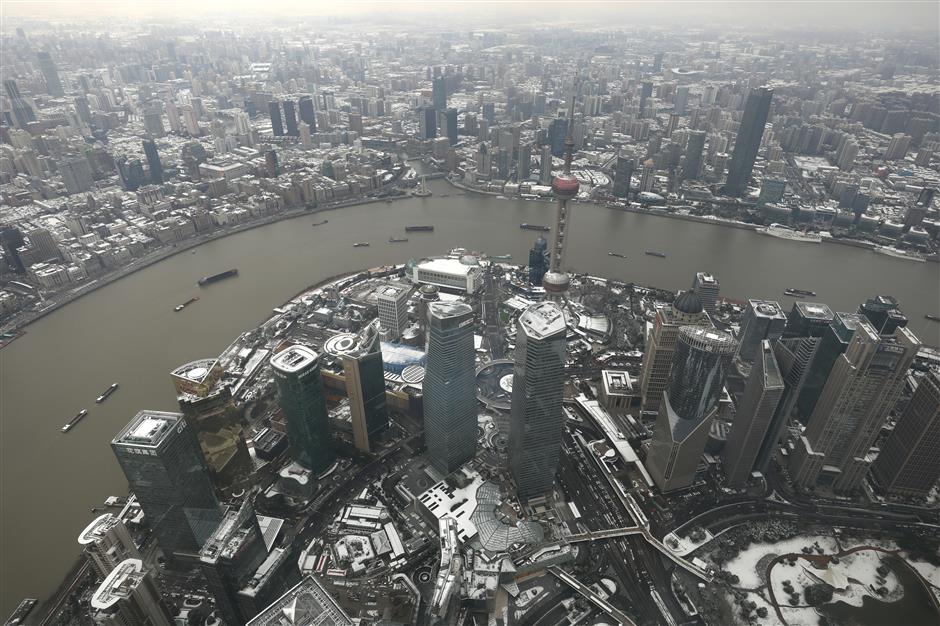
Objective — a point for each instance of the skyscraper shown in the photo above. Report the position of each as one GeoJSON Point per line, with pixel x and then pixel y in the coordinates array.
{"type": "Point", "coordinates": [762, 319]}
{"type": "Point", "coordinates": [756, 110]}
{"type": "Point", "coordinates": [427, 123]}
{"type": "Point", "coordinates": [689, 404]}
{"type": "Point", "coordinates": [686, 310]}
{"type": "Point", "coordinates": [538, 261]}
{"type": "Point", "coordinates": [365, 386]}
{"type": "Point", "coordinates": [557, 131]}
{"type": "Point", "coordinates": [160, 456]}
{"type": "Point", "coordinates": [439, 93]}
{"type": "Point", "coordinates": [706, 287]}
{"type": "Point", "coordinates": [692, 166]}
{"type": "Point", "coordinates": [450, 117]}
{"type": "Point", "coordinates": [191, 120]}
{"type": "Point", "coordinates": [22, 112]}
{"type": "Point", "coordinates": [536, 423]}
{"type": "Point", "coordinates": [153, 120]}
{"type": "Point", "coordinates": [153, 161]}
{"type": "Point", "coordinates": [754, 415]}
{"type": "Point", "coordinates": [884, 313]}
{"type": "Point", "coordinates": [834, 341]}
{"type": "Point", "coordinates": [391, 300]}
{"type": "Point", "coordinates": [129, 595]}
{"type": "Point", "coordinates": [450, 403]}
{"type": "Point", "coordinates": [274, 110]}
{"type": "Point", "coordinates": [230, 557]}
{"type": "Point", "coordinates": [300, 392]}
{"type": "Point", "coordinates": [11, 239]}
{"type": "Point", "coordinates": [861, 390]}
{"type": "Point", "coordinates": [623, 172]}
{"type": "Point", "coordinates": [76, 172]}
{"type": "Point", "coordinates": [808, 319]}
{"type": "Point", "coordinates": [909, 463]}
{"type": "Point", "coordinates": [545, 165]}
{"type": "Point", "coordinates": [307, 112]}
{"type": "Point", "coordinates": [107, 542]}
{"type": "Point", "coordinates": [50, 73]}
{"type": "Point", "coordinates": [290, 118]}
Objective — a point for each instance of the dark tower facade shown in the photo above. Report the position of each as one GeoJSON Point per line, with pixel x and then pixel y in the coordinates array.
{"type": "Point", "coordinates": [153, 161]}
{"type": "Point", "coordinates": [50, 73]}
{"type": "Point", "coordinates": [300, 392]}
{"type": "Point", "coordinates": [290, 118]}
{"type": "Point", "coordinates": [307, 112]}
{"type": "Point", "coordinates": [747, 143]}
{"type": "Point", "coordinates": [450, 402]}
{"type": "Point", "coordinates": [163, 463]}
{"type": "Point", "coordinates": [277, 127]}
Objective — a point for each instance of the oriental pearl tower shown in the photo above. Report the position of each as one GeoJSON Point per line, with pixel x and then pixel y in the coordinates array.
{"type": "Point", "coordinates": [565, 187]}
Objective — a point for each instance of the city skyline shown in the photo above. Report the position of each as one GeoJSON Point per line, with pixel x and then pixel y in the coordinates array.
{"type": "Point", "coordinates": [469, 312]}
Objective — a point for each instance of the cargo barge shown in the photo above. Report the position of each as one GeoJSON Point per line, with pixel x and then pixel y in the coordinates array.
{"type": "Point", "coordinates": [107, 392]}
{"type": "Point", "coordinates": [418, 229]}
{"type": "Point", "coordinates": [799, 293]}
{"type": "Point", "coordinates": [527, 226]}
{"type": "Point", "coordinates": [661, 255]}
{"type": "Point", "coordinates": [208, 280]}
{"type": "Point", "coordinates": [75, 420]}
{"type": "Point", "coordinates": [180, 307]}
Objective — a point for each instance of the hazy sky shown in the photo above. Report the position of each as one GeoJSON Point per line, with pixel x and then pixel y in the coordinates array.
{"type": "Point", "coordinates": [462, 14]}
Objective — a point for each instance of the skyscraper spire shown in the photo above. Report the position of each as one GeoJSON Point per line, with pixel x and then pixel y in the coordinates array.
{"type": "Point", "coordinates": [565, 187]}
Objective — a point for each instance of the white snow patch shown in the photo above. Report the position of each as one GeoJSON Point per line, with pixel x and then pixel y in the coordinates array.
{"type": "Point", "coordinates": [745, 564]}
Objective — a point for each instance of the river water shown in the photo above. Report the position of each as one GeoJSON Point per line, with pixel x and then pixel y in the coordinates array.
{"type": "Point", "coordinates": [127, 332]}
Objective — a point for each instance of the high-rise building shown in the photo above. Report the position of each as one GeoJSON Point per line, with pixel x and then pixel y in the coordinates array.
{"type": "Point", "coordinates": [82, 109]}
{"type": "Point", "coordinates": [271, 164]}
{"type": "Point", "coordinates": [355, 122]}
{"type": "Point", "coordinates": [557, 131]}
{"type": "Point", "coordinates": [22, 111]}
{"type": "Point", "coordinates": [153, 120]}
{"type": "Point", "coordinates": [153, 161]}
{"type": "Point", "coordinates": [646, 92]}
{"type": "Point", "coordinates": [307, 112]}
{"type": "Point", "coordinates": [832, 344]}
{"type": "Point", "coordinates": [692, 166]}
{"type": "Point", "coordinates": [391, 300]}
{"type": "Point", "coordinates": [301, 396]}
{"type": "Point", "coordinates": [439, 94]}
{"type": "Point", "coordinates": [538, 260]}
{"type": "Point", "coordinates": [206, 403]}
{"type": "Point", "coordinates": [536, 423]}
{"type": "Point", "coordinates": [755, 413]}
{"type": "Point", "coordinates": [161, 459]}
{"type": "Point", "coordinates": [756, 111]}
{"type": "Point", "coordinates": [305, 604]}
{"type": "Point", "coordinates": [290, 118]}
{"type": "Point", "coordinates": [701, 360]}
{"type": "Point", "coordinates": [129, 595]}
{"type": "Point", "coordinates": [808, 319]}
{"type": "Point", "coordinates": [44, 243]}
{"type": "Point", "coordinates": [545, 165]}
{"type": "Point", "coordinates": [131, 173]}
{"type": "Point", "coordinates": [706, 287]}
{"type": "Point", "coordinates": [274, 110]}
{"type": "Point", "coordinates": [427, 123]}
{"type": "Point", "coordinates": [884, 313]}
{"type": "Point", "coordinates": [862, 388]}
{"type": "Point", "coordinates": [686, 310]}
{"type": "Point", "coordinates": [623, 172]}
{"type": "Point", "coordinates": [845, 158]}
{"type": "Point", "coordinates": [76, 174]}
{"type": "Point", "coordinates": [898, 147]}
{"type": "Point", "coordinates": [50, 73]}
{"type": "Point", "coordinates": [365, 386]}
{"type": "Point", "coordinates": [230, 557]}
{"type": "Point", "coordinates": [191, 120]}
{"type": "Point", "coordinates": [450, 403]}
{"type": "Point", "coordinates": [524, 167]}
{"type": "Point", "coordinates": [681, 99]}
{"type": "Point", "coordinates": [172, 114]}
{"type": "Point", "coordinates": [450, 117]}
{"type": "Point", "coordinates": [909, 463]}
{"type": "Point", "coordinates": [107, 542]}
{"type": "Point", "coordinates": [12, 239]}
{"type": "Point", "coordinates": [762, 319]}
